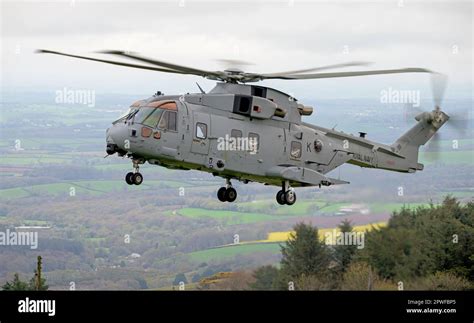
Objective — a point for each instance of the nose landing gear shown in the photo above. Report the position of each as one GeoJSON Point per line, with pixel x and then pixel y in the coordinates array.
{"type": "Point", "coordinates": [227, 193]}
{"type": "Point", "coordinates": [135, 177]}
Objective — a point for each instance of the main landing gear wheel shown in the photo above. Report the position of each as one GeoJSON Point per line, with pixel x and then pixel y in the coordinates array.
{"type": "Point", "coordinates": [280, 197]}
{"type": "Point", "coordinates": [290, 197]}
{"type": "Point", "coordinates": [221, 194]}
{"type": "Point", "coordinates": [134, 178]}
{"type": "Point", "coordinates": [230, 194]}
{"type": "Point", "coordinates": [137, 178]}
{"type": "Point", "coordinates": [286, 195]}
{"type": "Point", "coordinates": [227, 193]}
{"type": "Point", "coordinates": [128, 178]}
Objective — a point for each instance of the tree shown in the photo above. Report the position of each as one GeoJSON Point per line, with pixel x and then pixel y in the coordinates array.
{"type": "Point", "coordinates": [422, 241]}
{"type": "Point", "coordinates": [440, 281]}
{"type": "Point", "coordinates": [265, 278]}
{"type": "Point", "coordinates": [142, 282]}
{"type": "Point", "coordinates": [37, 282]}
{"type": "Point", "coordinates": [16, 284]}
{"type": "Point", "coordinates": [360, 276]}
{"type": "Point", "coordinates": [180, 278]}
{"type": "Point", "coordinates": [303, 254]}
{"type": "Point", "coordinates": [312, 282]}
{"type": "Point", "coordinates": [196, 278]}
{"type": "Point", "coordinates": [240, 280]}
{"type": "Point", "coordinates": [343, 253]}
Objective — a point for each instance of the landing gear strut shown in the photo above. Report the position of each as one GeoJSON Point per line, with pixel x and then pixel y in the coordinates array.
{"type": "Point", "coordinates": [287, 194]}
{"type": "Point", "coordinates": [227, 193]}
{"type": "Point", "coordinates": [135, 177]}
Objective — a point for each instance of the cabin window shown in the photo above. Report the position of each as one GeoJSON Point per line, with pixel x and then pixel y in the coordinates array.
{"type": "Point", "coordinates": [254, 141]}
{"type": "Point", "coordinates": [172, 121]}
{"type": "Point", "coordinates": [295, 151]}
{"type": "Point", "coordinates": [234, 133]}
{"type": "Point", "coordinates": [168, 121]}
{"type": "Point", "coordinates": [201, 130]}
{"type": "Point", "coordinates": [318, 145]}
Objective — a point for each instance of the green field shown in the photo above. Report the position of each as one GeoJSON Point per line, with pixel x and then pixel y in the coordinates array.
{"type": "Point", "coordinates": [390, 207]}
{"type": "Point", "coordinates": [64, 114]}
{"type": "Point", "coordinates": [231, 217]}
{"type": "Point", "coordinates": [448, 157]}
{"type": "Point", "coordinates": [85, 187]}
{"type": "Point", "coordinates": [34, 160]}
{"type": "Point", "coordinates": [234, 250]}
{"type": "Point", "coordinates": [235, 217]}
{"type": "Point", "coordinates": [30, 144]}
{"type": "Point", "coordinates": [458, 194]}
{"type": "Point", "coordinates": [299, 208]}
{"type": "Point", "coordinates": [12, 193]}
{"type": "Point", "coordinates": [373, 207]}
{"type": "Point", "coordinates": [448, 144]}
{"type": "Point", "coordinates": [303, 208]}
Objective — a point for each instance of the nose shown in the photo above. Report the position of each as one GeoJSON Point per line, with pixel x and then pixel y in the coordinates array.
{"type": "Point", "coordinates": [114, 136]}
{"type": "Point", "coordinates": [111, 147]}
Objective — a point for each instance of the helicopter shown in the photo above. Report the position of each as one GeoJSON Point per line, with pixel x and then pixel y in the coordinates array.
{"type": "Point", "coordinates": [251, 133]}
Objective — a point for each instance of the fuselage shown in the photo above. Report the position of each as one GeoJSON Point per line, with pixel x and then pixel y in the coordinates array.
{"type": "Point", "coordinates": [207, 132]}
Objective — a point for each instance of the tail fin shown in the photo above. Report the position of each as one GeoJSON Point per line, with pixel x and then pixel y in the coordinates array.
{"type": "Point", "coordinates": [409, 143]}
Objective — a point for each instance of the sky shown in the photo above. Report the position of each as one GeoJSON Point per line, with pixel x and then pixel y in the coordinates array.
{"type": "Point", "coordinates": [273, 35]}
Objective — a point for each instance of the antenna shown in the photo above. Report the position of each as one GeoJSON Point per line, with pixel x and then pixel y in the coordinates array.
{"type": "Point", "coordinates": [200, 88]}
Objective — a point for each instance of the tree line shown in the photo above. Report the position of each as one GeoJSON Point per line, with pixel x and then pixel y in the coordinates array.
{"type": "Point", "coordinates": [426, 248]}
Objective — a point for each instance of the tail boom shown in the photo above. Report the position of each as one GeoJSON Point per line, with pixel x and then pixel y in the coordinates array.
{"type": "Point", "coordinates": [402, 155]}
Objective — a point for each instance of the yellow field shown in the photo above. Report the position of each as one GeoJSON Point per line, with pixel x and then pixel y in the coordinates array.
{"type": "Point", "coordinates": [283, 236]}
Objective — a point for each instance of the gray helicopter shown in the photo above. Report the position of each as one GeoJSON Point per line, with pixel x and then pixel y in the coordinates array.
{"type": "Point", "coordinates": [253, 133]}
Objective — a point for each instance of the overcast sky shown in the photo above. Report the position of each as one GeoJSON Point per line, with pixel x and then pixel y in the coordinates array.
{"type": "Point", "coordinates": [275, 36]}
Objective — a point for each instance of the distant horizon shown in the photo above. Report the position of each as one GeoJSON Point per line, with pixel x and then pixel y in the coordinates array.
{"type": "Point", "coordinates": [10, 92]}
{"type": "Point", "coordinates": [387, 34]}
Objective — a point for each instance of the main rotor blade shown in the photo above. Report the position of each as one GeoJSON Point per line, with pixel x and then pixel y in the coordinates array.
{"type": "Point", "coordinates": [348, 74]}
{"type": "Point", "coordinates": [438, 86]}
{"type": "Point", "coordinates": [181, 68]}
{"type": "Point", "coordinates": [321, 68]}
{"type": "Point", "coordinates": [45, 51]}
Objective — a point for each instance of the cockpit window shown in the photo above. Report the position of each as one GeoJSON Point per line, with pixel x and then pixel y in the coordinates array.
{"type": "Point", "coordinates": [164, 121]}
{"type": "Point", "coordinates": [168, 121]}
{"type": "Point", "coordinates": [150, 114]}
{"type": "Point", "coordinates": [152, 119]}
{"type": "Point", "coordinates": [143, 114]}
{"type": "Point", "coordinates": [126, 115]}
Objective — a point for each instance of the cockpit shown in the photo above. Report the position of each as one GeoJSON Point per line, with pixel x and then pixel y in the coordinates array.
{"type": "Point", "coordinates": [157, 114]}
